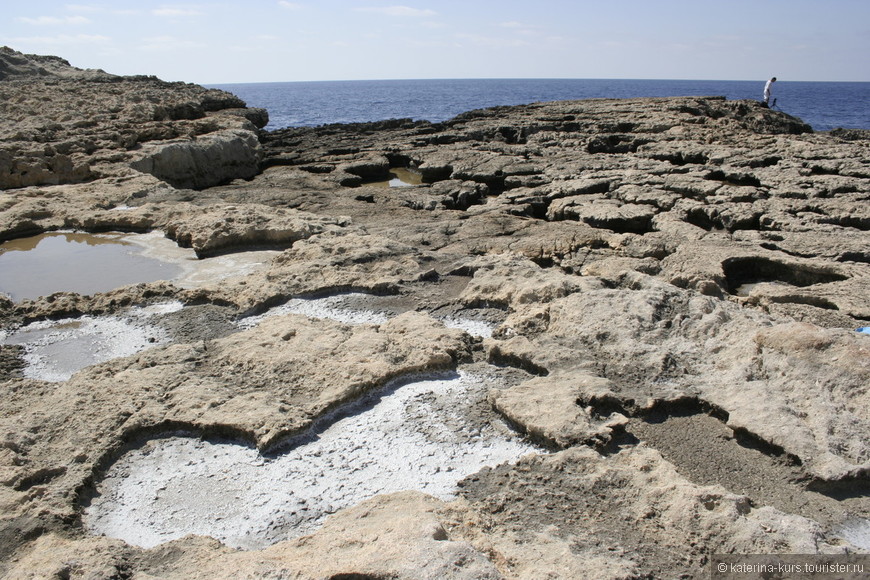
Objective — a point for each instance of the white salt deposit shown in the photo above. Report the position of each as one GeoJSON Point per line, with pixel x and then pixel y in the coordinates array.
{"type": "Point", "coordinates": [358, 308]}
{"type": "Point", "coordinates": [857, 532]}
{"type": "Point", "coordinates": [197, 273]}
{"type": "Point", "coordinates": [410, 437]}
{"type": "Point", "coordinates": [477, 328]}
{"type": "Point", "coordinates": [54, 350]}
{"type": "Point", "coordinates": [330, 307]}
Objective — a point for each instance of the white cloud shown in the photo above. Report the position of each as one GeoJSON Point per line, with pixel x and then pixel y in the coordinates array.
{"type": "Point", "coordinates": [168, 44]}
{"type": "Point", "coordinates": [399, 11]}
{"type": "Point", "coordinates": [61, 39]}
{"type": "Point", "coordinates": [492, 41]}
{"type": "Point", "coordinates": [289, 5]}
{"type": "Point", "coordinates": [53, 20]}
{"type": "Point", "coordinates": [82, 8]}
{"type": "Point", "coordinates": [175, 11]}
{"type": "Point", "coordinates": [94, 9]}
{"type": "Point", "coordinates": [520, 28]}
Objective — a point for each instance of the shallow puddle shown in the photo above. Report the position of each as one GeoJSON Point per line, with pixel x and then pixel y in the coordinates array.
{"type": "Point", "coordinates": [54, 350]}
{"type": "Point", "coordinates": [81, 263]}
{"type": "Point", "coordinates": [91, 263]}
{"type": "Point", "coordinates": [422, 435]}
{"type": "Point", "coordinates": [400, 177]}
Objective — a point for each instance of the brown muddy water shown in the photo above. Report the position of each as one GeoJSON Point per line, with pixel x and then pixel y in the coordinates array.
{"type": "Point", "coordinates": [401, 177]}
{"type": "Point", "coordinates": [90, 263]}
{"type": "Point", "coordinates": [74, 262]}
{"type": "Point", "coordinates": [54, 350]}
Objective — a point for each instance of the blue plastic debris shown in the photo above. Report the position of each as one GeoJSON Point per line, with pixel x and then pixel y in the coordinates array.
{"type": "Point", "coordinates": [864, 329]}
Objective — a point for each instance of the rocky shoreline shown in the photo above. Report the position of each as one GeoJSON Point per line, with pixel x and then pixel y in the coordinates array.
{"type": "Point", "coordinates": [673, 286]}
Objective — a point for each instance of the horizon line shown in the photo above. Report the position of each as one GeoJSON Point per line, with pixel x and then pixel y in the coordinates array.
{"type": "Point", "coordinates": [779, 80]}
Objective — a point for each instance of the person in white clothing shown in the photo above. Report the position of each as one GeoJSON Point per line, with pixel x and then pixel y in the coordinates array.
{"type": "Point", "coordinates": [767, 86]}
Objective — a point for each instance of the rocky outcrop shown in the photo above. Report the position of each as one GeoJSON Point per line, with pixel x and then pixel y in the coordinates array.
{"type": "Point", "coordinates": [673, 287]}
{"type": "Point", "coordinates": [247, 227]}
{"type": "Point", "coordinates": [17, 66]}
{"type": "Point", "coordinates": [21, 168]}
{"type": "Point", "coordinates": [66, 125]}
{"type": "Point", "coordinates": [213, 159]}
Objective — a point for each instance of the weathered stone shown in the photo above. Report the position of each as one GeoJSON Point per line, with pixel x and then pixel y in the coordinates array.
{"type": "Point", "coordinates": [547, 409]}
{"type": "Point", "coordinates": [368, 168]}
{"type": "Point", "coordinates": [605, 214]}
{"type": "Point", "coordinates": [398, 536]}
{"type": "Point", "coordinates": [565, 495]}
{"type": "Point", "coordinates": [224, 229]}
{"type": "Point", "coordinates": [210, 160]}
{"type": "Point", "coordinates": [78, 116]}
{"type": "Point", "coordinates": [644, 267]}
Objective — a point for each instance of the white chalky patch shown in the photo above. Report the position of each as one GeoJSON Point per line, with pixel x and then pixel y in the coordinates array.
{"type": "Point", "coordinates": [856, 532]}
{"type": "Point", "coordinates": [408, 438]}
{"type": "Point", "coordinates": [326, 308]}
{"type": "Point", "coordinates": [477, 328]}
{"type": "Point", "coordinates": [54, 350]}
{"type": "Point", "coordinates": [357, 308]}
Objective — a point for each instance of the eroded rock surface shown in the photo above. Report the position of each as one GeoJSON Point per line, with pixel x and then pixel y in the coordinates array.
{"type": "Point", "coordinates": [676, 284]}
{"type": "Point", "coordinates": [67, 125]}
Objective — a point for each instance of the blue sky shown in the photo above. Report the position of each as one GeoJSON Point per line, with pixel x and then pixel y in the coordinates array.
{"type": "Point", "coordinates": [213, 42]}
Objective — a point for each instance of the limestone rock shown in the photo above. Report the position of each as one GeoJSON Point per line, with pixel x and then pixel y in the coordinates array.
{"type": "Point", "coordinates": [210, 160]}
{"type": "Point", "coordinates": [652, 502]}
{"type": "Point", "coordinates": [80, 120]}
{"type": "Point", "coordinates": [36, 167]}
{"type": "Point", "coordinates": [659, 342]}
{"type": "Point", "coordinates": [15, 65]}
{"type": "Point", "coordinates": [672, 287]}
{"type": "Point", "coordinates": [547, 408]}
{"type": "Point", "coordinates": [397, 536]}
{"type": "Point", "coordinates": [226, 228]}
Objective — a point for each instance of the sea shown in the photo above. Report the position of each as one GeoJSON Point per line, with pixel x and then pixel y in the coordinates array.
{"type": "Point", "coordinates": [823, 105]}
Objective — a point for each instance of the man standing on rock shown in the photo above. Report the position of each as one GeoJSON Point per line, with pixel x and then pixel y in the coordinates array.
{"type": "Point", "coordinates": [767, 90]}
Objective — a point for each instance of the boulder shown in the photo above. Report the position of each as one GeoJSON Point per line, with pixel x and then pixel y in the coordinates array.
{"type": "Point", "coordinates": [224, 229]}
{"type": "Point", "coordinates": [210, 160]}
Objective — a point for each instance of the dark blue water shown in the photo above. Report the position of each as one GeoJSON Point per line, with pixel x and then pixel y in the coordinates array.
{"type": "Point", "coordinates": [823, 105]}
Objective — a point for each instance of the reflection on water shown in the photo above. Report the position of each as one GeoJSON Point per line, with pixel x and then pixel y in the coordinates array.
{"type": "Point", "coordinates": [401, 177]}
{"type": "Point", "coordinates": [27, 244]}
{"type": "Point", "coordinates": [73, 262]}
